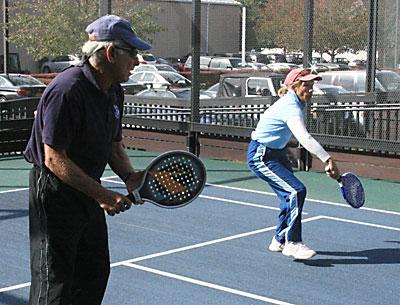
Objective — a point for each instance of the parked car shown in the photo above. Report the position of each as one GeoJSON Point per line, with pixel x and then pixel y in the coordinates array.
{"type": "Point", "coordinates": [256, 66]}
{"type": "Point", "coordinates": [174, 62]}
{"type": "Point", "coordinates": [59, 63]}
{"type": "Point", "coordinates": [212, 90]}
{"type": "Point", "coordinates": [274, 58]}
{"type": "Point", "coordinates": [282, 67]}
{"type": "Point", "coordinates": [358, 64]}
{"type": "Point", "coordinates": [14, 63]}
{"type": "Point", "coordinates": [204, 63]}
{"type": "Point", "coordinates": [250, 84]}
{"type": "Point", "coordinates": [158, 79]}
{"type": "Point", "coordinates": [226, 63]}
{"type": "Point", "coordinates": [146, 58]}
{"type": "Point", "coordinates": [295, 58]}
{"type": "Point", "coordinates": [16, 86]}
{"type": "Point", "coordinates": [155, 67]}
{"type": "Point", "coordinates": [336, 66]}
{"type": "Point", "coordinates": [171, 93]}
{"type": "Point", "coordinates": [320, 89]}
{"type": "Point", "coordinates": [355, 80]}
{"type": "Point", "coordinates": [130, 87]}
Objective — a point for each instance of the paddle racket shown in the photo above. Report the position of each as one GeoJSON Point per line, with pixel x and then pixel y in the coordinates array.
{"type": "Point", "coordinates": [172, 180]}
{"type": "Point", "coordinates": [352, 190]}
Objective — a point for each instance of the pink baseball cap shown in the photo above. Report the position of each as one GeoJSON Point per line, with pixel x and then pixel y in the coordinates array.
{"type": "Point", "coordinates": [300, 74]}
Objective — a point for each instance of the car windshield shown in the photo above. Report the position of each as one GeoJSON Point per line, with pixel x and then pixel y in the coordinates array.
{"type": "Point", "coordinates": [183, 93]}
{"type": "Point", "coordinates": [156, 93]}
{"type": "Point", "coordinates": [148, 57]}
{"type": "Point", "coordinates": [389, 80]}
{"type": "Point", "coordinates": [165, 68]}
{"type": "Point", "coordinates": [22, 80]}
{"type": "Point", "coordinates": [173, 78]}
{"type": "Point", "coordinates": [333, 90]}
{"type": "Point", "coordinates": [236, 62]}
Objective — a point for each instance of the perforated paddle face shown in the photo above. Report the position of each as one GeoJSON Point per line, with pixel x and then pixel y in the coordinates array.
{"type": "Point", "coordinates": [174, 179]}
{"type": "Point", "coordinates": [352, 190]}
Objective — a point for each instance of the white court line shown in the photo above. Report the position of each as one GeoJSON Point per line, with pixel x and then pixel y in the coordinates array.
{"type": "Point", "coordinates": [307, 199]}
{"type": "Point", "coordinates": [208, 285]}
{"type": "Point", "coordinates": [249, 204]}
{"type": "Point", "coordinates": [361, 223]}
{"type": "Point", "coordinates": [14, 190]}
{"type": "Point", "coordinates": [215, 241]}
{"type": "Point", "coordinates": [15, 287]}
{"type": "Point", "coordinates": [240, 202]}
{"type": "Point", "coordinates": [109, 179]}
{"type": "Point", "coordinates": [203, 244]}
{"type": "Point", "coordinates": [207, 243]}
{"type": "Point", "coordinates": [273, 194]}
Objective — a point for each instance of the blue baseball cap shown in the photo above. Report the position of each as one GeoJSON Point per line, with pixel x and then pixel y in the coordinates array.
{"type": "Point", "coordinates": [111, 27]}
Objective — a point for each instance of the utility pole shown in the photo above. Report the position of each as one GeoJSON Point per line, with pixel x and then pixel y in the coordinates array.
{"type": "Point", "coordinates": [104, 7]}
{"type": "Point", "coordinates": [5, 36]}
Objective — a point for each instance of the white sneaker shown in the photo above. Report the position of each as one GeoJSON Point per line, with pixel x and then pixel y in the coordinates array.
{"type": "Point", "coordinates": [298, 250]}
{"type": "Point", "coordinates": [275, 245]}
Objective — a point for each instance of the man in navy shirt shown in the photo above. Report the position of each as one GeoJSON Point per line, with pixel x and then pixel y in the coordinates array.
{"type": "Point", "coordinates": [77, 132]}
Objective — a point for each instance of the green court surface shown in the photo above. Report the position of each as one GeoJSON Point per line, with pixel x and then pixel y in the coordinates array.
{"type": "Point", "coordinates": [380, 194]}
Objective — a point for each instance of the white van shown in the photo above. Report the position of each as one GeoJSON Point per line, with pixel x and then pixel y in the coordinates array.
{"type": "Point", "coordinates": [355, 81]}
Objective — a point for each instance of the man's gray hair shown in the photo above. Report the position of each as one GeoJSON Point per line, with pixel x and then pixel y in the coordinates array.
{"type": "Point", "coordinates": [91, 48]}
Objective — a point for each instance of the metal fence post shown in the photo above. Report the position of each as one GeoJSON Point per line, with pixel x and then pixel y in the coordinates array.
{"type": "Point", "coordinates": [304, 161]}
{"type": "Point", "coordinates": [192, 138]}
{"type": "Point", "coordinates": [371, 59]}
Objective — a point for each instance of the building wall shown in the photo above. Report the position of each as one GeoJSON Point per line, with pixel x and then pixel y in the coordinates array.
{"type": "Point", "coordinates": [222, 18]}
{"type": "Point", "coordinates": [220, 28]}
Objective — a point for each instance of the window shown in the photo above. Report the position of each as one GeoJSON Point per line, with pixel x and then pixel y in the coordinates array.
{"type": "Point", "coordinates": [347, 82]}
{"type": "Point", "coordinates": [231, 87]}
{"type": "Point", "coordinates": [257, 86]}
{"type": "Point", "coordinates": [4, 82]}
{"type": "Point", "coordinates": [136, 77]}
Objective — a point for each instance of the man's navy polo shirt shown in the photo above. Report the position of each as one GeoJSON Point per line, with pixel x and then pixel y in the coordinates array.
{"type": "Point", "coordinates": [76, 115]}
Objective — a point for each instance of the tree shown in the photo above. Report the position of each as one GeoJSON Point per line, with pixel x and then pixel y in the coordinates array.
{"type": "Point", "coordinates": [340, 24]}
{"type": "Point", "coordinates": [252, 17]}
{"type": "Point", "coordinates": [337, 24]}
{"type": "Point", "coordinates": [55, 27]}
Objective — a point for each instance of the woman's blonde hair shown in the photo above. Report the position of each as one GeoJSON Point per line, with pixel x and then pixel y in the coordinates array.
{"type": "Point", "coordinates": [282, 91]}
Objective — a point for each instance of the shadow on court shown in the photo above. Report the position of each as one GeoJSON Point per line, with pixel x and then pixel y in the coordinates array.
{"type": "Point", "coordinates": [11, 214]}
{"type": "Point", "coordinates": [366, 257]}
{"type": "Point", "coordinates": [7, 299]}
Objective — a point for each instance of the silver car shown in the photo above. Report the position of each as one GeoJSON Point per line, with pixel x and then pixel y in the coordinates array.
{"type": "Point", "coordinates": [59, 63]}
{"type": "Point", "coordinates": [16, 86]}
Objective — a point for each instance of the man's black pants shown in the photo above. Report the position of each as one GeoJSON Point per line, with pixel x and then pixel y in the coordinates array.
{"type": "Point", "coordinates": [70, 261]}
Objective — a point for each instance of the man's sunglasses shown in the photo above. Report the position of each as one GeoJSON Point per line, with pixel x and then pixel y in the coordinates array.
{"type": "Point", "coordinates": [131, 51]}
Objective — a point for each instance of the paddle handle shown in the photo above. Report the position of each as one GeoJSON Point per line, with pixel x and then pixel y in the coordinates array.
{"type": "Point", "coordinates": [328, 170]}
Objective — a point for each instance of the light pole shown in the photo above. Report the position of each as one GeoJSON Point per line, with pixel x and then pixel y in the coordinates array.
{"type": "Point", "coordinates": [243, 35]}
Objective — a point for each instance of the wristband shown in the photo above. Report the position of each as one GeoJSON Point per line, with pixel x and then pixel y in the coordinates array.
{"type": "Point", "coordinates": [126, 178]}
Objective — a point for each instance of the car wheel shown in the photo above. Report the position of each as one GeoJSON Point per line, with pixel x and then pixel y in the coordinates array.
{"type": "Point", "coordinates": [46, 70]}
{"type": "Point", "coordinates": [3, 99]}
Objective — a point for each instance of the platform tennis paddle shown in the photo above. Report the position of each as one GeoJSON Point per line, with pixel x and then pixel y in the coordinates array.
{"type": "Point", "coordinates": [352, 190]}
{"type": "Point", "coordinates": [172, 180]}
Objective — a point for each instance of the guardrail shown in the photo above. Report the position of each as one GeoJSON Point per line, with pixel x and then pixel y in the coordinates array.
{"type": "Point", "coordinates": [16, 119]}
{"type": "Point", "coordinates": [367, 123]}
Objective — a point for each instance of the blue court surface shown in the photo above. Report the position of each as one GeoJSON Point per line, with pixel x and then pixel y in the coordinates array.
{"type": "Point", "coordinates": [214, 251]}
